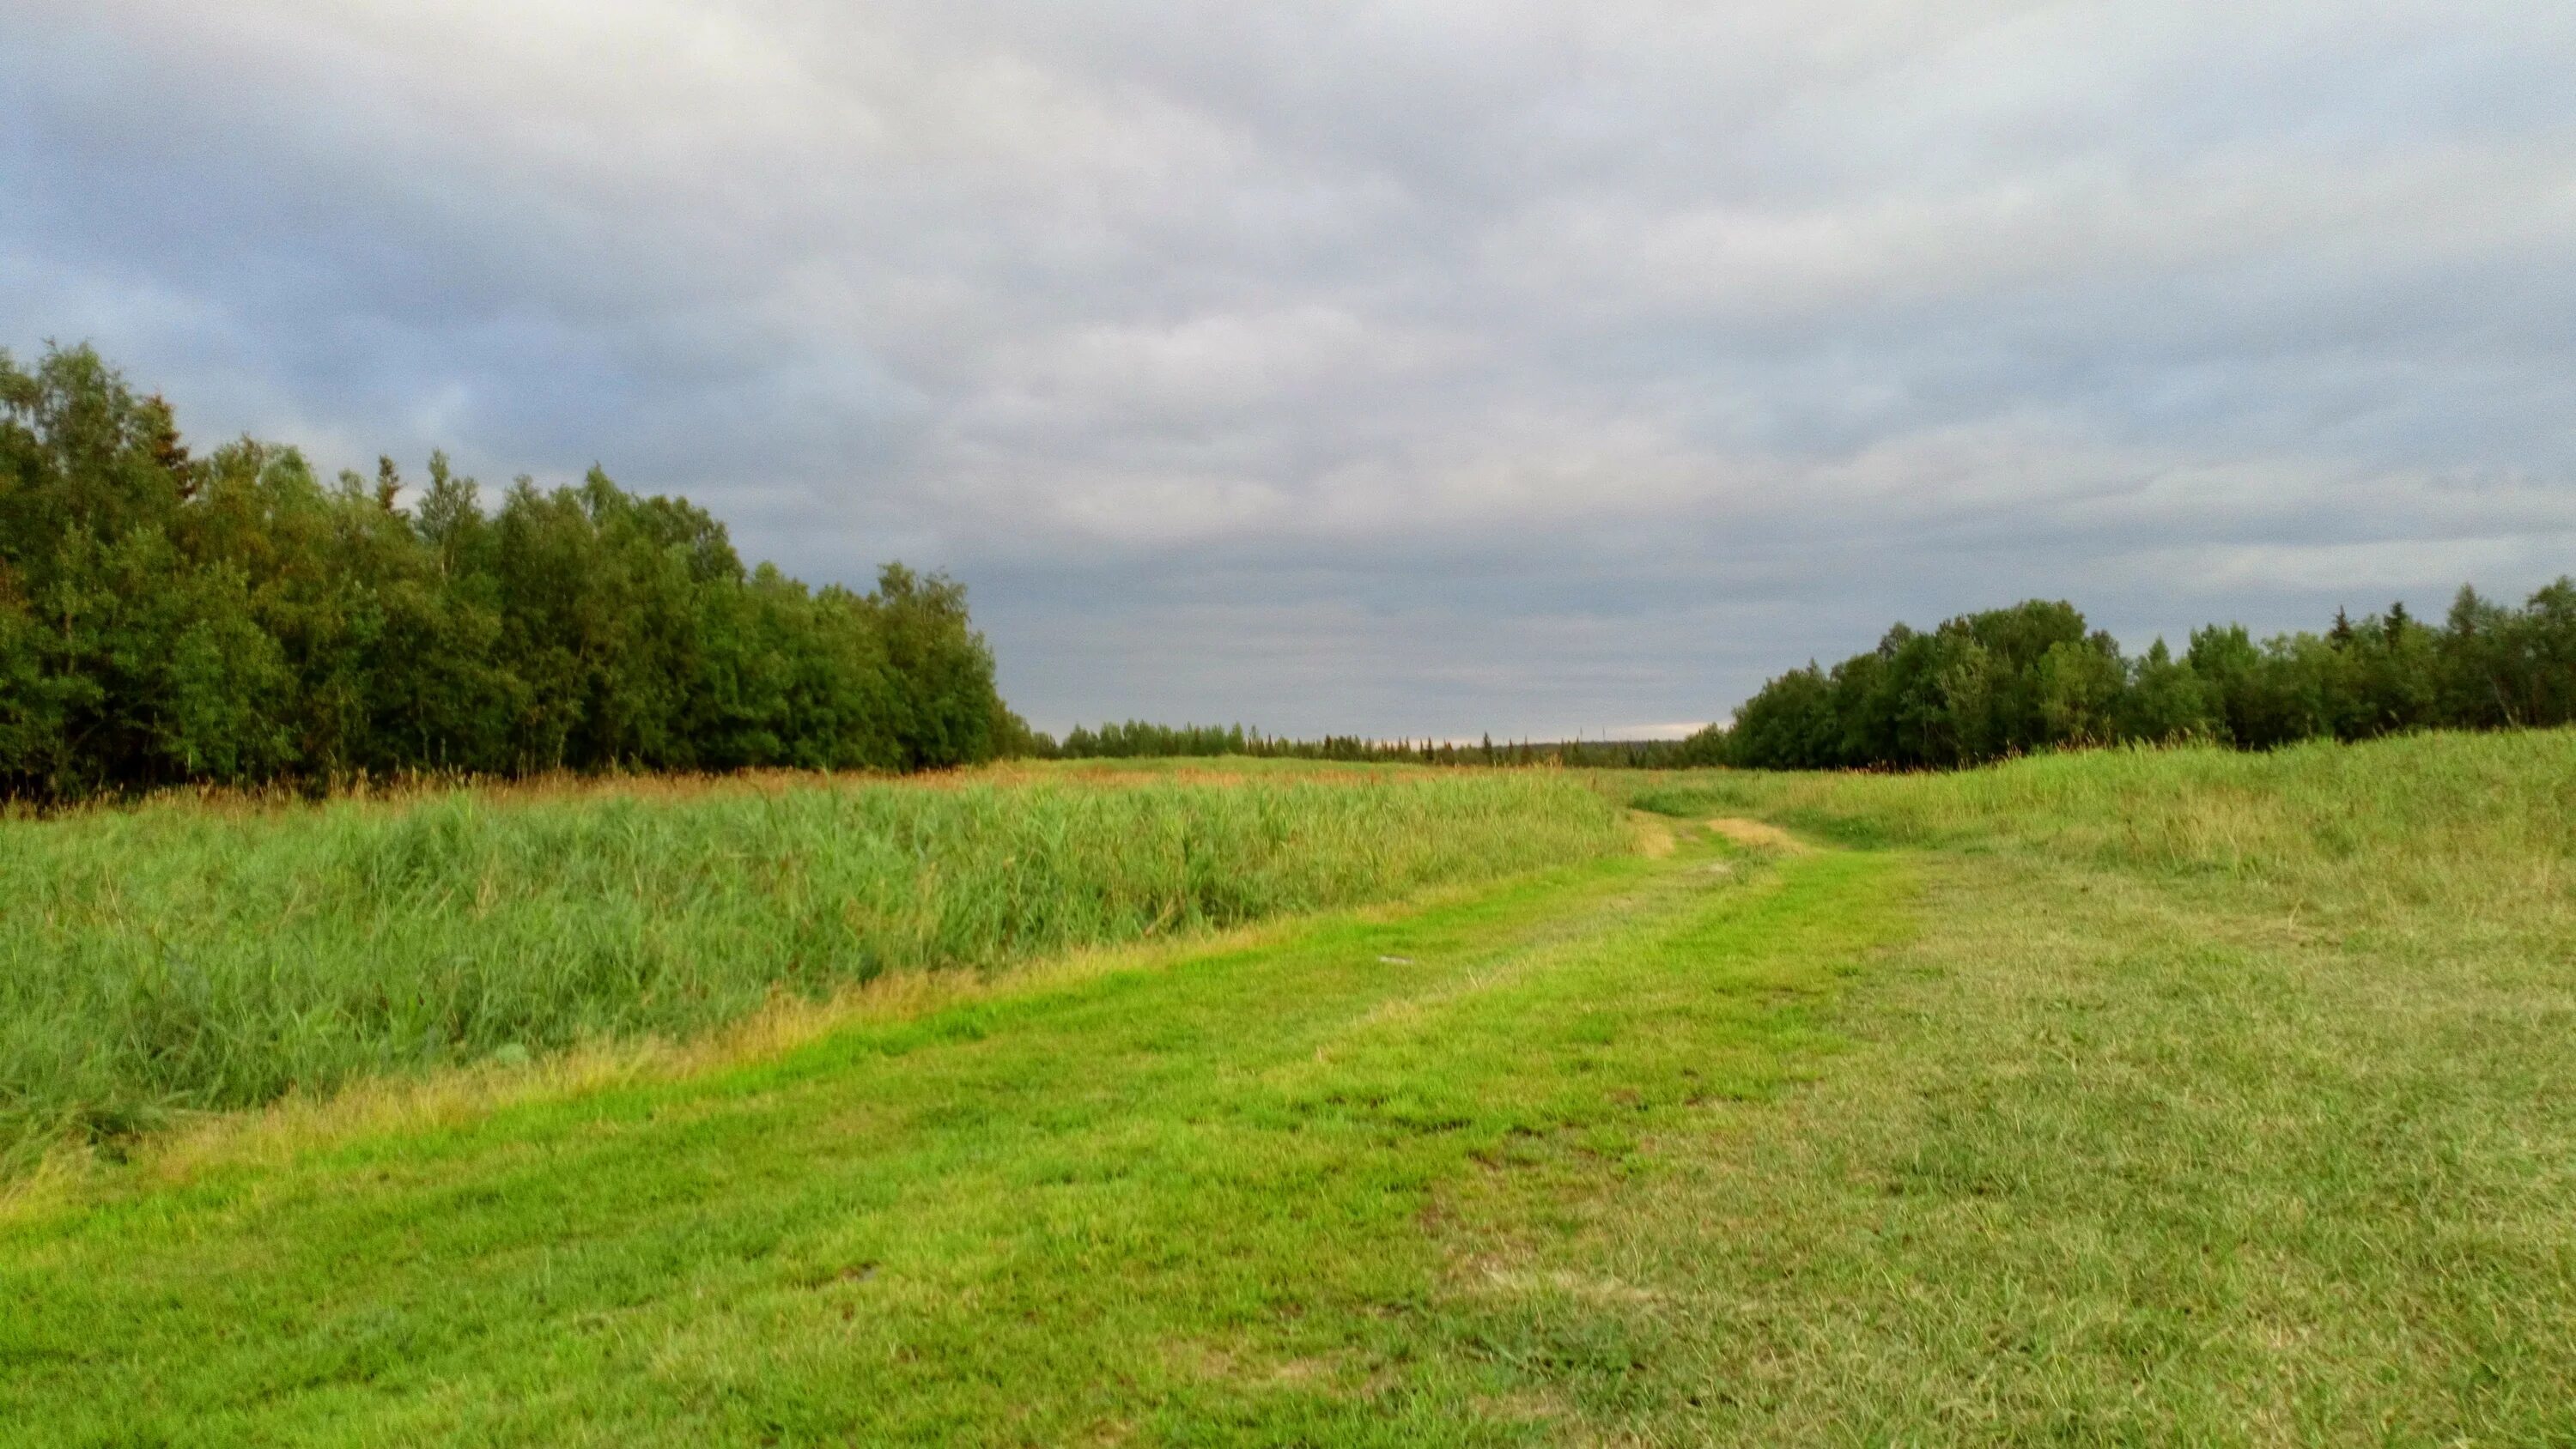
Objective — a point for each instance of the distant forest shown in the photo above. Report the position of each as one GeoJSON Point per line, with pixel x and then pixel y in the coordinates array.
{"type": "Point", "coordinates": [2033, 677]}
{"type": "Point", "coordinates": [171, 618]}
{"type": "Point", "coordinates": [1137, 739]}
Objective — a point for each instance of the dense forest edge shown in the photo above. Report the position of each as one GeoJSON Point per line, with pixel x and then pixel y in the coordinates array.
{"type": "Point", "coordinates": [2034, 677]}
{"type": "Point", "coordinates": [168, 618]}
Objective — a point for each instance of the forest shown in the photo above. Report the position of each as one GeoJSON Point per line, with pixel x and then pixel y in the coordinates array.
{"type": "Point", "coordinates": [1141, 739]}
{"type": "Point", "coordinates": [232, 618]}
{"type": "Point", "coordinates": [2032, 677]}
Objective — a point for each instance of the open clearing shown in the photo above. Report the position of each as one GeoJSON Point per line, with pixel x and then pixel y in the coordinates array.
{"type": "Point", "coordinates": [2102, 1099]}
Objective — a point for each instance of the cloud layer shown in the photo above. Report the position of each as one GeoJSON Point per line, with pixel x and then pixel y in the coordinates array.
{"type": "Point", "coordinates": [1407, 369]}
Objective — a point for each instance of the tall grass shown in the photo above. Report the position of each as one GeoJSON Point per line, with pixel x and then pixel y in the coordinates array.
{"type": "Point", "coordinates": [176, 957]}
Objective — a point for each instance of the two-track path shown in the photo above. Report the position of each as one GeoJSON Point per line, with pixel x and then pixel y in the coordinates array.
{"type": "Point", "coordinates": [1297, 1188]}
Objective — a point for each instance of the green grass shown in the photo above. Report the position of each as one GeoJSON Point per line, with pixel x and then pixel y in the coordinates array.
{"type": "Point", "coordinates": [177, 958]}
{"type": "Point", "coordinates": [2110, 1099]}
{"type": "Point", "coordinates": [2220, 1098]}
{"type": "Point", "coordinates": [1185, 1197]}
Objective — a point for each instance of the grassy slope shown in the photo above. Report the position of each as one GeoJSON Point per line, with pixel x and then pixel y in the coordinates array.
{"type": "Point", "coordinates": [2221, 1098]}
{"type": "Point", "coordinates": [2189, 1097]}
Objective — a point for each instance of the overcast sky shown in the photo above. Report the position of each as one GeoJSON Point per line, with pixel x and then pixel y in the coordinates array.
{"type": "Point", "coordinates": [1403, 369]}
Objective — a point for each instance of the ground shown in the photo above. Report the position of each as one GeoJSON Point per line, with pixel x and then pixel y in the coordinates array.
{"type": "Point", "coordinates": [1840, 1112]}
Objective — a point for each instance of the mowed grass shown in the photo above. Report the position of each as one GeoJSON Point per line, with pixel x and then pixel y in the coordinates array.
{"type": "Point", "coordinates": [2165, 1097]}
{"type": "Point", "coordinates": [2220, 1098]}
{"type": "Point", "coordinates": [177, 958]}
{"type": "Point", "coordinates": [1190, 1195]}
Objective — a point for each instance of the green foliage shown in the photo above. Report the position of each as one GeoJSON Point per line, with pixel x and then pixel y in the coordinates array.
{"type": "Point", "coordinates": [2013, 681]}
{"type": "Point", "coordinates": [232, 619]}
{"type": "Point", "coordinates": [2173, 1096]}
{"type": "Point", "coordinates": [1697, 799]}
{"type": "Point", "coordinates": [175, 956]}
{"type": "Point", "coordinates": [1138, 739]}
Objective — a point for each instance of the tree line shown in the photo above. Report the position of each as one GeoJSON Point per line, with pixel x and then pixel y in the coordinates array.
{"type": "Point", "coordinates": [2009, 681]}
{"type": "Point", "coordinates": [2035, 676]}
{"type": "Point", "coordinates": [171, 618]}
{"type": "Point", "coordinates": [1140, 739]}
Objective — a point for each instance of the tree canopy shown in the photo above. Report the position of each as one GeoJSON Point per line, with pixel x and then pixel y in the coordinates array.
{"type": "Point", "coordinates": [233, 618]}
{"type": "Point", "coordinates": [2032, 677]}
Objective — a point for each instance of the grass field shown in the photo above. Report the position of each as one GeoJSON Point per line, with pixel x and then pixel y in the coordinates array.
{"type": "Point", "coordinates": [2107, 1099]}
{"type": "Point", "coordinates": [182, 958]}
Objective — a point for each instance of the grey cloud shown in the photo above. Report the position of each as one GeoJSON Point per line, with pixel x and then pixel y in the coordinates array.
{"type": "Point", "coordinates": [1418, 368]}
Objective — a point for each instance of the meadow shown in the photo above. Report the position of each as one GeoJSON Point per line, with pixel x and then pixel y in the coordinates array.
{"type": "Point", "coordinates": [2121, 1097]}
{"type": "Point", "coordinates": [185, 957]}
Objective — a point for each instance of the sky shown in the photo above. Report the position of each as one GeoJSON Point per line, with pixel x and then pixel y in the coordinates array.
{"type": "Point", "coordinates": [1407, 369]}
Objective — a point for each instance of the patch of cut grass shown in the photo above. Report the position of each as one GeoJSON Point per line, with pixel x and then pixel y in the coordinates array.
{"type": "Point", "coordinates": [2219, 1099]}
{"type": "Point", "coordinates": [1194, 1199]}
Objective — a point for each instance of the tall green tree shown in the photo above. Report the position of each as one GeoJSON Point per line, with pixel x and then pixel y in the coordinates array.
{"type": "Point", "coordinates": [166, 617]}
{"type": "Point", "coordinates": [2031, 676]}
